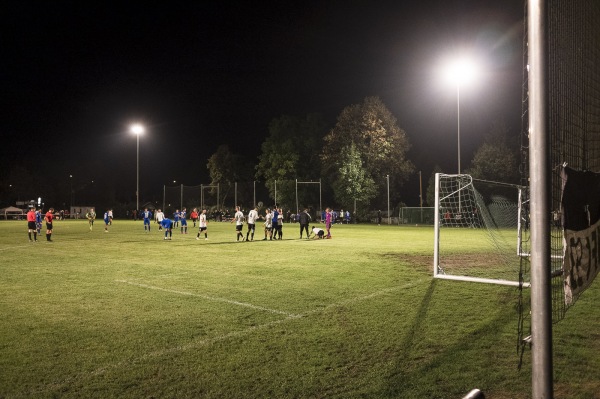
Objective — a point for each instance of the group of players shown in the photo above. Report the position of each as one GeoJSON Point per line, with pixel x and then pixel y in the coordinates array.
{"type": "Point", "coordinates": [273, 223]}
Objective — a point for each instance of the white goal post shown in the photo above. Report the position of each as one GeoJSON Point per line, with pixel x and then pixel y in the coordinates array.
{"type": "Point", "coordinates": [479, 230]}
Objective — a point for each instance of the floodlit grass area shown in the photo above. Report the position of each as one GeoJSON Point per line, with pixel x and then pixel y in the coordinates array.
{"type": "Point", "coordinates": [126, 314]}
{"type": "Point", "coordinates": [480, 253]}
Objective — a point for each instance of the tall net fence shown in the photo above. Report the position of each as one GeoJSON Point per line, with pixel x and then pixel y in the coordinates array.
{"type": "Point", "coordinates": [179, 197]}
{"type": "Point", "coordinates": [573, 117]}
{"type": "Point", "coordinates": [573, 123]}
{"type": "Point", "coordinates": [218, 198]}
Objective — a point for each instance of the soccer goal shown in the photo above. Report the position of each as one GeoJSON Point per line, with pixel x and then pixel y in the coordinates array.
{"type": "Point", "coordinates": [478, 230]}
{"type": "Point", "coordinates": [416, 215]}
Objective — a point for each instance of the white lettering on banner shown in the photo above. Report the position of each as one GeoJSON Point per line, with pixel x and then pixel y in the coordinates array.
{"type": "Point", "coordinates": [580, 261]}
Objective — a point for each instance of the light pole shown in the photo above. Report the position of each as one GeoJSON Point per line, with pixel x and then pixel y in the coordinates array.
{"type": "Point", "coordinates": [458, 120]}
{"type": "Point", "coordinates": [137, 129]}
{"type": "Point", "coordinates": [388, 199]}
{"type": "Point", "coordinates": [71, 182]}
{"type": "Point", "coordinates": [460, 72]}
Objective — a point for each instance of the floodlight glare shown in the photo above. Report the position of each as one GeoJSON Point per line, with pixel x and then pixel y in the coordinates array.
{"type": "Point", "coordinates": [137, 129]}
{"type": "Point", "coordinates": [461, 71]}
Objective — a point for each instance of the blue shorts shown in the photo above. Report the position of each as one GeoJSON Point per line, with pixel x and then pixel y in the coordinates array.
{"type": "Point", "coordinates": [146, 221]}
{"type": "Point", "coordinates": [184, 222]}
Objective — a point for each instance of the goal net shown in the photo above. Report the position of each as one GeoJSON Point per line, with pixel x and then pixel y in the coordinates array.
{"type": "Point", "coordinates": [416, 215]}
{"type": "Point", "coordinates": [478, 228]}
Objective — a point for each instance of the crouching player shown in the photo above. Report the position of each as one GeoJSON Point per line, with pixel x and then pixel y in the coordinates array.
{"type": "Point", "coordinates": [317, 233]}
{"type": "Point", "coordinates": [167, 225]}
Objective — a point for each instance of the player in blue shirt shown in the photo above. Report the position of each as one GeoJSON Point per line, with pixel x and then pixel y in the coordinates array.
{"type": "Point", "coordinates": [147, 215]}
{"type": "Point", "coordinates": [275, 222]}
{"type": "Point", "coordinates": [38, 221]}
{"type": "Point", "coordinates": [176, 216]}
{"type": "Point", "coordinates": [167, 225]}
{"type": "Point", "coordinates": [106, 221]}
{"type": "Point", "coordinates": [182, 218]}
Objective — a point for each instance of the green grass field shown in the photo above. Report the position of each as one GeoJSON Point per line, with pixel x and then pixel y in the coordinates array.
{"type": "Point", "coordinates": [126, 314]}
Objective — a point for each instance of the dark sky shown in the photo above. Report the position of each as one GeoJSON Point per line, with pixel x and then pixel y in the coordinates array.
{"type": "Point", "coordinates": [199, 74]}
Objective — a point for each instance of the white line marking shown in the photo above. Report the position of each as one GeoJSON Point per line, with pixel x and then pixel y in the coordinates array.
{"type": "Point", "coordinates": [211, 298]}
{"type": "Point", "coordinates": [365, 297]}
{"type": "Point", "coordinates": [20, 246]}
{"type": "Point", "coordinates": [209, 341]}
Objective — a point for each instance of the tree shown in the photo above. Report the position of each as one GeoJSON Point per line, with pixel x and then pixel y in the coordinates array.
{"type": "Point", "coordinates": [354, 183]}
{"type": "Point", "coordinates": [225, 168]}
{"type": "Point", "coordinates": [430, 194]}
{"type": "Point", "coordinates": [496, 159]}
{"type": "Point", "coordinates": [381, 145]}
{"type": "Point", "coordinates": [223, 165]}
{"type": "Point", "coordinates": [290, 152]}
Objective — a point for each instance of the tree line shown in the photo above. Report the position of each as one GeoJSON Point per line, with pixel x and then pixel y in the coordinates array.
{"type": "Point", "coordinates": [356, 159]}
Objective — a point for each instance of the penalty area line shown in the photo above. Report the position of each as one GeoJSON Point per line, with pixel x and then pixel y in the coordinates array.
{"type": "Point", "coordinates": [211, 298]}
{"type": "Point", "coordinates": [31, 244]}
{"type": "Point", "coordinates": [203, 342]}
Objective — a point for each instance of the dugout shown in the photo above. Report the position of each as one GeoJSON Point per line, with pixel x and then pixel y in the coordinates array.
{"type": "Point", "coordinates": [12, 212]}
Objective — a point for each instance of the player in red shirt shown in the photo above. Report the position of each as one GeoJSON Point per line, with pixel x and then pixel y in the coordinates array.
{"type": "Point", "coordinates": [31, 224]}
{"type": "Point", "coordinates": [48, 218]}
{"type": "Point", "coordinates": [194, 216]}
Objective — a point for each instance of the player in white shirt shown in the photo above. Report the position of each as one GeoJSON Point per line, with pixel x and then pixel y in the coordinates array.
{"type": "Point", "coordinates": [159, 216]}
{"type": "Point", "coordinates": [202, 225]}
{"type": "Point", "coordinates": [317, 233]}
{"type": "Point", "coordinates": [238, 218]}
{"type": "Point", "coordinates": [268, 224]}
{"type": "Point", "coordinates": [251, 220]}
{"type": "Point", "coordinates": [279, 231]}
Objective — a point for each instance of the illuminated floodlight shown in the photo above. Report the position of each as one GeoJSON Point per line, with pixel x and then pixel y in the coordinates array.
{"type": "Point", "coordinates": [137, 129]}
{"type": "Point", "coordinates": [461, 71]}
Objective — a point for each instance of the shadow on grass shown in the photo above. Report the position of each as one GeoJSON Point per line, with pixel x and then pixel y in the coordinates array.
{"type": "Point", "coordinates": [435, 376]}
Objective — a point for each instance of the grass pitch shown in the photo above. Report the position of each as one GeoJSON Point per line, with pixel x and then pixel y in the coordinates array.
{"type": "Point", "coordinates": [125, 314]}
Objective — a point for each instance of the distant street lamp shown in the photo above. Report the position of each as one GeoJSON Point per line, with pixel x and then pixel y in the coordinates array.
{"type": "Point", "coordinates": [137, 129]}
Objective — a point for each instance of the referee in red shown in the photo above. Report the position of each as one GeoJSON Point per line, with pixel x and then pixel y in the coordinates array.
{"type": "Point", "coordinates": [31, 225]}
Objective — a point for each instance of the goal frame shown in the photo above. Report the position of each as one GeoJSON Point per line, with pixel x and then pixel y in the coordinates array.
{"type": "Point", "coordinates": [437, 270]}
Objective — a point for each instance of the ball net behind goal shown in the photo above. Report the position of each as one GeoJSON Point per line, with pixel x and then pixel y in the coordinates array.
{"type": "Point", "coordinates": [179, 197]}
{"type": "Point", "coordinates": [477, 230]}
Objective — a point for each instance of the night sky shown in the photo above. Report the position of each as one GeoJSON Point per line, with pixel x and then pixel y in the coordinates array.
{"type": "Point", "coordinates": [201, 74]}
